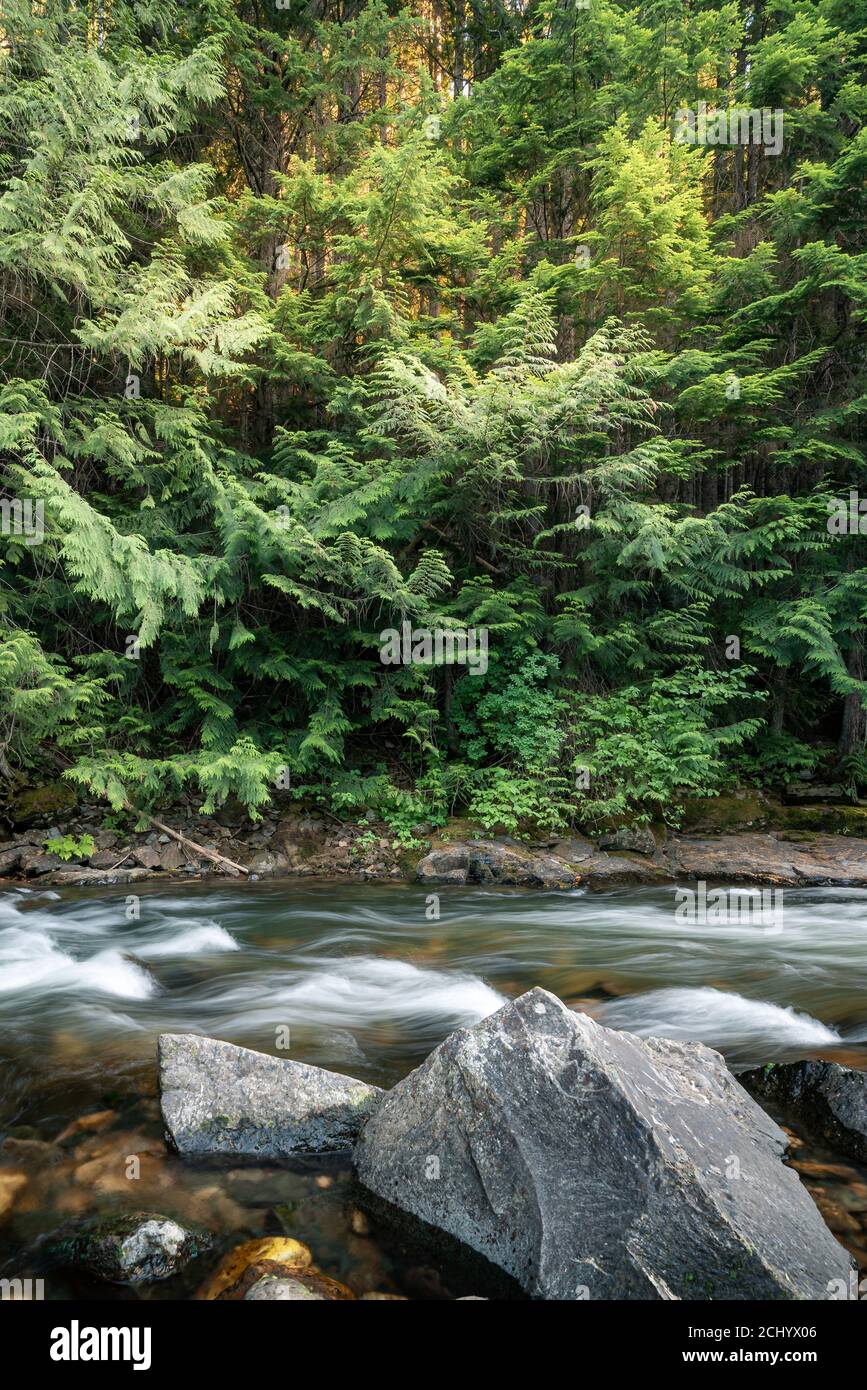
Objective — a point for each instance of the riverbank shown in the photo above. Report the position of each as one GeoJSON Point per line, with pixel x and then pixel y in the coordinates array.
{"type": "Point", "coordinates": [748, 838]}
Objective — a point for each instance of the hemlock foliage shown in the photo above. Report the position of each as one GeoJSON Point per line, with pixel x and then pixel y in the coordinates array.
{"type": "Point", "coordinates": [317, 319]}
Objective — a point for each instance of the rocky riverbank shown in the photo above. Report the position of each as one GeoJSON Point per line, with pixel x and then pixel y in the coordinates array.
{"type": "Point", "coordinates": [746, 838]}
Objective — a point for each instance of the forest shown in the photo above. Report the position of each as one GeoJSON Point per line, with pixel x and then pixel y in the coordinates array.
{"type": "Point", "coordinates": [459, 327]}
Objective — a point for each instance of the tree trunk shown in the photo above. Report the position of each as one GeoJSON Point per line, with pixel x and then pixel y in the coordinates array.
{"type": "Point", "coordinates": [853, 729]}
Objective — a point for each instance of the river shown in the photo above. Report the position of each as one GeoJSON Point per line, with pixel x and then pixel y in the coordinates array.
{"type": "Point", "coordinates": [364, 979]}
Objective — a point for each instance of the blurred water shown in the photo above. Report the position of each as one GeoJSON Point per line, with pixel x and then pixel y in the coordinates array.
{"type": "Point", "coordinates": [365, 982]}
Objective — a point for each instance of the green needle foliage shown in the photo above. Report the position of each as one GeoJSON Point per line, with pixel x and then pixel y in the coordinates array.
{"type": "Point", "coordinates": [317, 320]}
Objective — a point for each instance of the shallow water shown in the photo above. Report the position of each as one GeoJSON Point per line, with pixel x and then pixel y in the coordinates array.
{"type": "Point", "coordinates": [365, 982]}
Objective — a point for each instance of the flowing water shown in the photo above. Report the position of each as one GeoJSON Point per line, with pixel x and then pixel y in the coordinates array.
{"type": "Point", "coordinates": [366, 983]}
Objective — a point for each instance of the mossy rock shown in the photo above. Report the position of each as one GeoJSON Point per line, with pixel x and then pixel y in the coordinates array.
{"type": "Point", "coordinates": [52, 801]}
{"type": "Point", "coordinates": [408, 860]}
{"type": "Point", "coordinates": [130, 1247]}
{"type": "Point", "coordinates": [828, 820]}
{"type": "Point", "coordinates": [740, 810]}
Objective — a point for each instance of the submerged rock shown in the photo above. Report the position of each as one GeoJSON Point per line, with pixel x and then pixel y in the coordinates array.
{"type": "Point", "coordinates": [11, 1184]}
{"type": "Point", "coordinates": [220, 1099]}
{"type": "Point", "coordinates": [135, 1248]}
{"type": "Point", "coordinates": [830, 1099]}
{"type": "Point", "coordinates": [274, 1283]}
{"type": "Point", "coordinates": [281, 1288]}
{"type": "Point", "coordinates": [588, 1163]}
{"type": "Point", "coordinates": [273, 1250]}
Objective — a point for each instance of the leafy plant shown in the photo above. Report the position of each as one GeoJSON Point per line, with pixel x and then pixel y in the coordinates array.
{"type": "Point", "coordinates": [68, 847]}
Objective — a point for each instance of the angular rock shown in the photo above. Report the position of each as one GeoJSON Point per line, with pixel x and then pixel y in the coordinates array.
{"type": "Point", "coordinates": [304, 830]}
{"type": "Point", "coordinates": [172, 857]}
{"type": "Point", "coordinates": [10, 860]}
{"type": "Point", "coordinates": [146, 856]}
{"type": "Point", "coordinates": [220, 1099]}
{"type": "Point", "coordinates": [830, 1099]}
{"type": "Point", "coordinates": [266, 863]}
{"type": "Point", "coordinates": [637, 838]}
{"type": "Point", "coordinates": [600, 869]}
{"type": "Point", "coordinates": [105, 859]}
{"type": "Point", "coordinates": [586, 1162]}
{"type": "Point", "coordinates": [494, 862]}
{"type": "Point", "coordinates": [448, 865]}
{"type": "Point", "coordinates": [134, 1248]}
{"type": "Point", "coordinates": [34, 863]}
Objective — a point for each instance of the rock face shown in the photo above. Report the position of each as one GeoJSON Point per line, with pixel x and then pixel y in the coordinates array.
{"type": "Point", "coordinates": [448, 865]}
{"type": "Point", "coordinates": [493, 861]}
{"type": "Point", "coordinates": [831, 1100]}
{"type": "Point", "coordinates": [137, 1248]}
{"type": "Point", "coordinates": [788, 858]}
{"type": "Point", "coordinates": [772, 859]}
{"type": "Point", "coordinates": [221, 1099]}
{"type": "Point", "coordinates": [34, 804]}
{"type": "Point", "coordinates": [587, 1163]}
{"type": "Point", "coordinates": [601, 869]}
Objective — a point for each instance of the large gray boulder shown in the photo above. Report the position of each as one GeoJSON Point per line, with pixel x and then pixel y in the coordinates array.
{"type": "Point", "coordinates": [589, 1163]}
{"type": "Point", "coordinates": [831, 1100]}
{"type": "Point", "coordinates": [221, 1099]}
